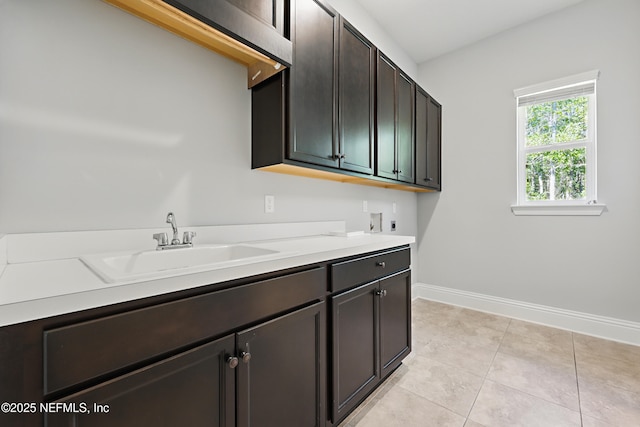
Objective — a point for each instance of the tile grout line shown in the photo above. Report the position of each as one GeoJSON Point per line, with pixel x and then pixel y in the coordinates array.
{"type": "Point", "coordinates": [432, 402]}
{"type": "Point", "coordinates": [524, 392]}
{"type": "Point", "coordinates": [484, 379]}
{"type": "Point", "coordinates": [575, 366]}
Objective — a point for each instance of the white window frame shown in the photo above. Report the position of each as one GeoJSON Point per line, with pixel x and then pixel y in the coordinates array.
{"type": "Point", "coordinates": [583, 84]}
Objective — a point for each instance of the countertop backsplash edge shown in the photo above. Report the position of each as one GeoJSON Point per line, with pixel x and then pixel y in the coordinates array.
{"type": "Point", "coordinates": [35, 247]}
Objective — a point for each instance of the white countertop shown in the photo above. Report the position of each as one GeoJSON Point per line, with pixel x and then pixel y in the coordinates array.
{"type": "Point", "coordinates": [34, 287]}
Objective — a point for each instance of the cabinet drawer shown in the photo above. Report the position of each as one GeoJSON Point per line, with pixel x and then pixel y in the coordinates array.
{"type": "Point", "coordinates": [353, 272]}
{"type": "Point", "coordinates": [81, 352]}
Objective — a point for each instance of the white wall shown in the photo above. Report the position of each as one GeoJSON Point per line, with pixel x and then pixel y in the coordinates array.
{"type": "Point", "coordinates": [108, 122]}
{"type": "Point", "coordinates": [359, 17]}
{"type": "Point", "coordinates": [468, 238]}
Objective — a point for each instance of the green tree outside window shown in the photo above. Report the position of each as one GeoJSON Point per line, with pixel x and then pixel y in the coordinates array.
{"type": "Point", "coordinates": [556, 174]}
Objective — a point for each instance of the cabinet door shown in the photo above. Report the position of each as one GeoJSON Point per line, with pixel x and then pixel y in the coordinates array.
{"type": "Point", "coordinates": [269, 12]}
{"type": "Point", "coordinates": [195, 388]}
{"type": "Point", "coordinates": [434, 138]}
{"type": "Point", "coordinates": [395, 320]}
{"type": "Point", "coordinates": [405, 132]}
{"type": "Point", "coordinates": [313, 85]}
{"type": "Point", "coordinates": [422, 167]}
{"type": "Point", "coordinates": [386, 119]}
{"type": "Point", "coordinates": [356, 102]}
{"type": "Point", "coordinates": [355, 347]}
{"type": "Point", "coordinates": [282, 372]}
{"type": "Point", "coordinates": [261, 24]}
{"type": "Point", "coordinates": [428, 140]}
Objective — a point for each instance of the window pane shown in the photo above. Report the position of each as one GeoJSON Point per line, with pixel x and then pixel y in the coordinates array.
{"type": "Point", "coordinates": [556, 175]}
{"type": "Point", "coordinates": [557, 121]}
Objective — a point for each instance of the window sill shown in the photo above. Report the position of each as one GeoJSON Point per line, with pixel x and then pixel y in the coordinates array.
{"type": "Point", "coordinates": [558, 210]}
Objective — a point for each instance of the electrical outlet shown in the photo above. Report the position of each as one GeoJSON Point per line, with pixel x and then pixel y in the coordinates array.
{"type": "Point", "coordinates": [394, 207]}
{"type": "Point", "coordinates": [365, 206]}
{"type": "Point", "coordinates": [393, 226]}
{"type": "Point", "coordinates": [269, 204]}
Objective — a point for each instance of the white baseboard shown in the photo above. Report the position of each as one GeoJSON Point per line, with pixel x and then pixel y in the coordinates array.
{"type": "Point", "coordinates": [584, 323]}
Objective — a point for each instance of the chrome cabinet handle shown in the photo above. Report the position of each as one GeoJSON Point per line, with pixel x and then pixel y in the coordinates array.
{"type": "Point", "coordinates": [245, 356]}
{"type": "Point", "coordinates": [381, 264]}
{"type": "Point", "coordinates": [428, 179]}
{"type": "Point", "coordinates": [381, 293]}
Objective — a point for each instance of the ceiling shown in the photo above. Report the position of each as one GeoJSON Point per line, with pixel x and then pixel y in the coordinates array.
{"type": "Point", "coordinates": [429, 28]}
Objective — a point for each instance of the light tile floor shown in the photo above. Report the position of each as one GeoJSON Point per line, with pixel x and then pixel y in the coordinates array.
{"type": "Point", "coordinates": [473, 369]}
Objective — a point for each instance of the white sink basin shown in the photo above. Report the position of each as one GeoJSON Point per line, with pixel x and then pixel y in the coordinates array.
{"type": "Point", "coordinates": [126, 266]}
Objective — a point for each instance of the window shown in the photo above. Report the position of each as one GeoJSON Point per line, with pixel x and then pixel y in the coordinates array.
{"type": "Point", "coordinates": [557, 145]}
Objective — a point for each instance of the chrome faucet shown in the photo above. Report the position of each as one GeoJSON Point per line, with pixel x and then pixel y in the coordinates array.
{"type": "Point", "coordinates": [171, 219]}
{"type": "Point", "coordinates": [163, 239]}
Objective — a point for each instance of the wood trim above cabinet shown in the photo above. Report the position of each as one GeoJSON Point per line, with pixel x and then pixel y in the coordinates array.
{"type": "Point", "coordinates": [259, 66]}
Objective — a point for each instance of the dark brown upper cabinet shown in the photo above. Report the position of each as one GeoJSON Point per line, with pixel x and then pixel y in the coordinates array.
{"type": "Point", "coordinates": [322, 109]}
{"type": "Point", "coordinates": [356, 102]}
{"type": "Point", "coordinates": [428, 140]}
{"type": "Point", "coordinates": [260, 24]}
{"type": "Point", "coordinates": [405, 159]}
{"type": "Point", "coordinates": [395, 122]}
{"type": "Point", "coordinates": [331, 91]}
{"type": "Point", "coordinates": [343, 111]}
{"type": "Point", "coordinates": [313, 85]}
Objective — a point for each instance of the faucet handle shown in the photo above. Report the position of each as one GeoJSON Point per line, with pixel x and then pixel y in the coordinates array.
{"type": "Point", "coordinates": [187, 237]}
{"type": "Point", "coordinates": [162, 239]}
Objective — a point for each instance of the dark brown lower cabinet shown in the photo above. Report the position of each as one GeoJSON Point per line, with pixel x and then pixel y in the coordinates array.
{"type": "Point", "coordinates": [274, 373]}
{"type": "Point", "coordinates": [371, 336]}
{"type": "Point", "coordinates": [356, 367]}
{"type": "Point", "coordinates": [194, 388]}
{"type": "Point", "coordinates": [283, 381]}
{"type": "Point", "coordinates": [395, 321]}
{"type": "Point", "coordinates": [259, 352]}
